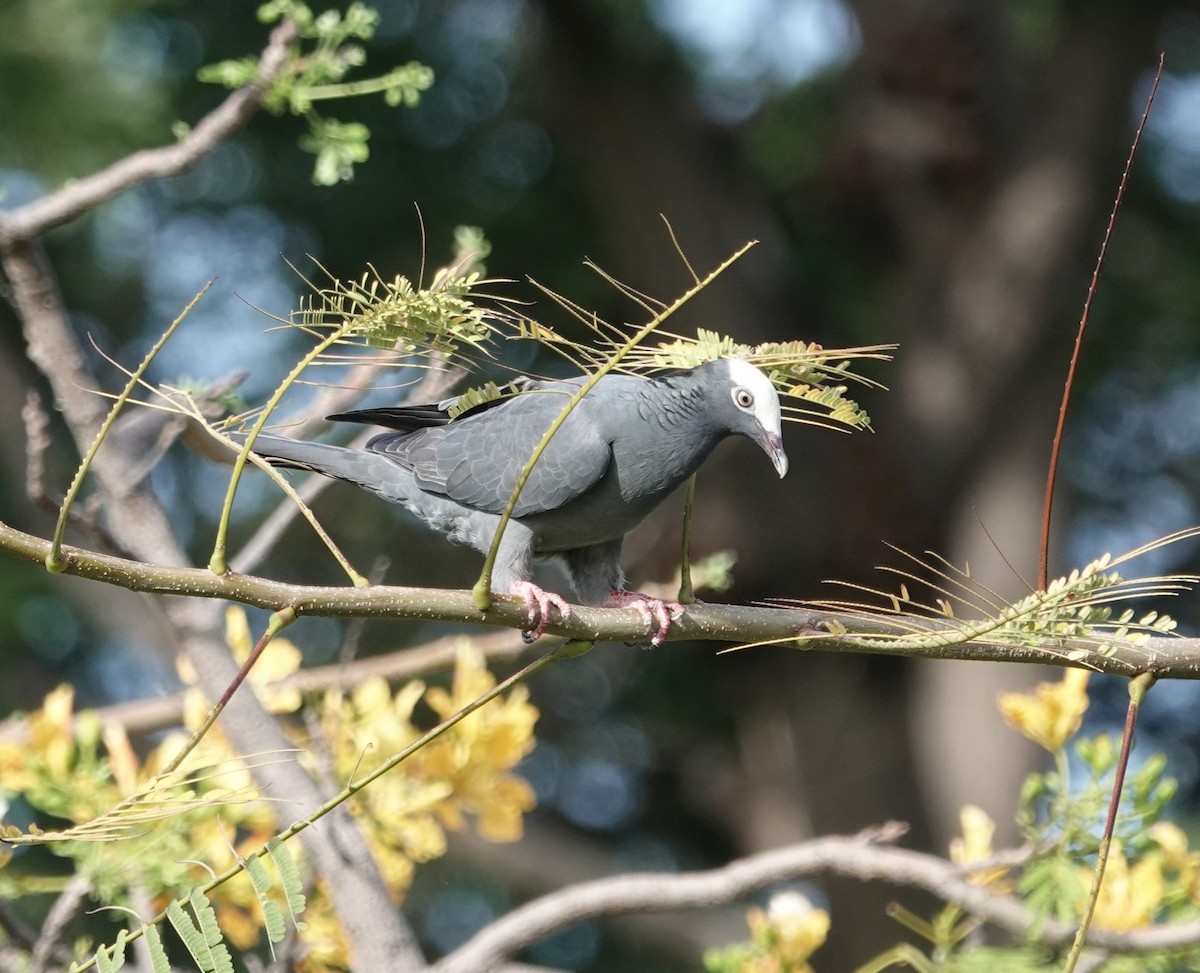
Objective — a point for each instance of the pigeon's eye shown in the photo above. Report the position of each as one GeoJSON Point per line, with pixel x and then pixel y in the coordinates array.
{"type": "Point", "coordinates": [743, 398]}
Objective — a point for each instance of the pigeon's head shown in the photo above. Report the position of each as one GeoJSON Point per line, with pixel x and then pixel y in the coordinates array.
{"type": "Point", "coordinates": [750, 406]}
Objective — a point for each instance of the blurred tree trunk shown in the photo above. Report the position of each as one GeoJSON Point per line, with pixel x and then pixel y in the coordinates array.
{"type": "Point", "coordinates": [974, 165]}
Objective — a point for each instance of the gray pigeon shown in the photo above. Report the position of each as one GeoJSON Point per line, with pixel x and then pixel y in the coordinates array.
{"type": "Point", "coordinates": [619, 454]}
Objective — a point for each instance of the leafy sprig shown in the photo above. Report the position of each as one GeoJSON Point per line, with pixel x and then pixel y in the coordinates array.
{"type": "Point", "coordinates": [1079, 612]}
{"type": "Point", "coordinates": [328, 46]}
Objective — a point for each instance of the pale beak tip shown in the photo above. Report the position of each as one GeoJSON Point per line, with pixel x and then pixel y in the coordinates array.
{"type": "Point", "coordinates": [774, 448]}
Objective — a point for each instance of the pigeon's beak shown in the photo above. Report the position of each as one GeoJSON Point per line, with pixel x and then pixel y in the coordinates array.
{"type": "Point", "coordinates": [772, 444]}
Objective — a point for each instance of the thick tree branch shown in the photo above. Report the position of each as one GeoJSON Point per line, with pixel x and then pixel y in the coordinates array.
{"type": "Point", "coordinates": [1166, 658]}
{"type": "Point", "coordinates": [865, 856]}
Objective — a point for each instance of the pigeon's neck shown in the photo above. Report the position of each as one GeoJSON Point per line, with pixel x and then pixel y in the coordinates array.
{"type": "Point", "coordinates": [678, 412]}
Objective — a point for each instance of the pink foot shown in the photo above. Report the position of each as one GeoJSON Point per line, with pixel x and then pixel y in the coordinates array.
{"type": "Point", "coordinates": [538, 601]}
{"type": "Point", "coordinates": [654, 611]}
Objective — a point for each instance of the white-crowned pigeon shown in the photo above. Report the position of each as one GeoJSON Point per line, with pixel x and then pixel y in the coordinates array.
{"type": "Point", "coordinates": [629, 443]}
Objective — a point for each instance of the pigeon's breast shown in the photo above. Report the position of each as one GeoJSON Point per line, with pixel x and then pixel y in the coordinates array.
{"type": "Point", "coordinates": [648, 462]}
{"type": "Point", "coordinates": [602, 514]}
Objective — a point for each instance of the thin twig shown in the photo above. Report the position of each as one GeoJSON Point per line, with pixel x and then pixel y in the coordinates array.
{"type": "Point", "coordinates": [64, 909]}
{"type": "Point", "coordinates": [1052, 473]}
{"type": "Point", "coordinates": [1137, 692]}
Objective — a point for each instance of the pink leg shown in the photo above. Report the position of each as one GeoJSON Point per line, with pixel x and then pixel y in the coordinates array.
{"type": "Point", "coordinates": [538, 601]}
{"type": "Point", "coordinates": [657, 613]}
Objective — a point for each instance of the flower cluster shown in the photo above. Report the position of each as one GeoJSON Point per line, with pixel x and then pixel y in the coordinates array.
{"type": "Point", "coordinates": [133, 828]}
{"type": "Point", "coordinates": [464, 771]}
{"type": "Point", "coordinates": [782, 938]}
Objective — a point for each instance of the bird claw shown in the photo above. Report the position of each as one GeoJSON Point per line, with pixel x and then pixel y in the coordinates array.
{"type": "Point", "coordinates": [656, 612]}
{"type": "Point", "coordinates": [538, 603]}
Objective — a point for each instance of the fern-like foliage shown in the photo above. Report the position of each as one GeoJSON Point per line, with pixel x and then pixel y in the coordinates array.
{"type": "Point", "coordinates": [165, 797]}
{"type": "Point", "coordinates": [289, 874]}
{"type": "Point", "coordinates": [203, 937]}
{"type": "Point", "coordinates": [399, 315]}
{"type": "Point", "coordinates": [159, 961]}
{"type": "Point", "coordinates": [200, 931]}
{"type": "Point", "coordinates": [812, 381]}
{"type": "Point", "coordinates": [272, 916]}
{"type": "Point", "coordinates": [1079, 613]}
{"type": "Point", "coordinates": [112, 958]}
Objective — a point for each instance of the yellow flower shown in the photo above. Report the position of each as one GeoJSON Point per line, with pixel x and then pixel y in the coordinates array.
{"type": "Point", "coordinates": [464, 771]}
{"type": "Point", "coordinates": [476, 754]}
{"type": "Point", "coordinates": [51, 732]}
{"type": "Point", "coordinates": [1130, 895]}
{"type": "Point", "coordinates": [16, 774]}
{"type": "Point", "coordinates": [975, 846]}
{"type": "Point", "coordinates": [1176, 857]}
{"type": "Point", "coordinates": [365, 728]}
{"type": "Point", "coordinates": [1052, 713]}
{"type": "Point", "coordinates": [787, 933]}
{"type": "Point", "coordinates": [1173, 842]}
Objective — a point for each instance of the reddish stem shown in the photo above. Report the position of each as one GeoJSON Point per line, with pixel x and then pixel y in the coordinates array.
{"type": "Point", "coordinates": [1052, 474]}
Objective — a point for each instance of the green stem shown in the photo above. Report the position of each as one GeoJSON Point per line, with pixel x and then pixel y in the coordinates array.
{"type": "Point", "coordinates": [482, 592]}
{"type": "Point", "coordinates": [217, 563]}
{"type": "Point", "coordinates": [365, 86]}
{"type": "Point", "coordinates": [1138, 687]}
{"type": "Point", "coordinates": [54, 560]}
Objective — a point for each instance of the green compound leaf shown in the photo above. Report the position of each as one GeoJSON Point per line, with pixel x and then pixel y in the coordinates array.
{"type": "Point", "coordinates": [159, 963]}
{"type": "Point", "coordinates": [289, 874]}
{"type": "Point", "coordinates": [203, 941]}
{"type": "Point", "coordinates": [113, 958]}
{"type": "Point", "coordinates": [272, 916]}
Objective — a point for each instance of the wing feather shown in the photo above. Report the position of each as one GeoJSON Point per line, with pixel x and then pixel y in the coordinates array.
{"type": "Point", "coordinates": [476, 460]}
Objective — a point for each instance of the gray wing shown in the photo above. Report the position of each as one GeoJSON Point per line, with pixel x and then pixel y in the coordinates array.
{"type": "Point", "coordinates": [476, 461]}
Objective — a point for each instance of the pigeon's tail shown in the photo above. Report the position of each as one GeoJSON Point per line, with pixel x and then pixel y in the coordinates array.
{"type": "Point", "coordinates": [368, 470]}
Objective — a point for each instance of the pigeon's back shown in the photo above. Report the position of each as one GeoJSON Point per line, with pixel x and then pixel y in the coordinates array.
{"type": "Point", "coordinates": [476, 460]}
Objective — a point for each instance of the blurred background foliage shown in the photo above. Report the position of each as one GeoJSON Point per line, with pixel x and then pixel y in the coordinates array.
{"type": "Point", "coordinates": [933, 174]}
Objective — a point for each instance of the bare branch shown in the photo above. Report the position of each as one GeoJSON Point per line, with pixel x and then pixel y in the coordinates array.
{"type": "Point", "coordinates": [72, 201]}
{"type": "Point", "coordinates": [865, 856]}
{"type": "Point", "coordinates": [65, 908]}
{"type": "Point", "coordinates": [37, 438]}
